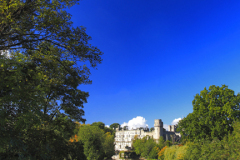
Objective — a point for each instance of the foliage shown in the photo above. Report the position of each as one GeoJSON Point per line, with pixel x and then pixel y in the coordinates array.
{"type": "Point", "coordinates": [227, 148]}
{"type": "Point", "coordinates": [34, 141]}
{"type": "Point", "coordinates": [233, 142]}
{"type": "Point", "coordinates": [214, 111]}
{"type": "Point", "coordinates": [100, 125]}
{"type": "Point", "coordinates": [96, 143]}
{"type": "Point", "coordinates": [169, 152]}
{"type": "Point", "coordinates": [161, 143]}
{"type": "Point", "coordinates": [128, 154]}
{"type": "Point", "coordinates": [168, 143]}
{"type": "Point", "coordinates": [26, 24]}
{"type": "Point", "coordinates": [152, 129]}
{"type": "Point", "coordinates": [146, 147]}
{"type": "Point", "coordinates": [114, 125]}
{"type": "Point", "coordinates": [92, 138]}
{"type": "Point", "coordinates": [108, 145]}
{"type": "Point", "coordinates": [161, 153]}
{"type": "Point", "coordinates": [39, 98]}
{"type": "Point", "coordinates": [181, 152]}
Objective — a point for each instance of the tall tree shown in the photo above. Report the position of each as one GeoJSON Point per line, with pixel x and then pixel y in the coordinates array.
{"type": "Point", "coordinates": [49, 59]}
{"type": "Point", "coordinates": [214, 111]}
{"type": "Point", "coordinates": [93, 139]}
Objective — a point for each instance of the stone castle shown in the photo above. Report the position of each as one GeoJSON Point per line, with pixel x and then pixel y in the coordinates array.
{"type": "Point", "coordinates": [124, 138]}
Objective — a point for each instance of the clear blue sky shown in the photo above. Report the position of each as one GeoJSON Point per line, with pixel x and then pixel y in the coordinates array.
{"type": "Point", "coordinates": [158, 54]}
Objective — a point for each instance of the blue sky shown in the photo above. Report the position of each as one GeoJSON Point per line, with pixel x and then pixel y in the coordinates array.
{"type": "Point", "coordinates": [158, 55]}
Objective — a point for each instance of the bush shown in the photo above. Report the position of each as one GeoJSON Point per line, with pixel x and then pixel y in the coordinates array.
{"type": "Point", "coordinates": [128, 154]}
{"type": "Point", "coordinates": [161, 153]}
{"type": "Point", "coordinates": [193, 151]}
{"type": "Point", "coordinates": [170, 152]}
{"type": "Point", "coordinates": [181, 151]}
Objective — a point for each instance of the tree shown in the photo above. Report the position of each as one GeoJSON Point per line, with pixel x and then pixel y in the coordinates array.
{"type": "Point", "coordinates": [108, 145]}
{"type": "Point", "coordinates": [110, 130]}
{"type": "Point", "coordinates": [43, 32]}
{"type": "Point", "coordinates": [125, 128]}
{"type": "Point", "coordinates": [146, 147]}
{"type": "Point", "coordinates": [101, 125]}
{"type": "Point", "coordinates": [214, 111]}
{"type": "Point", "coordinates": [26, 24]}
{"type": "Point", "coordinates": [96, 143]}
{"type": "Point", "coordinates": [114, 125]}
{"type": "Point", "coordinates": [92, 138]}
{"type": "Point", "coordinates": [42, 76]}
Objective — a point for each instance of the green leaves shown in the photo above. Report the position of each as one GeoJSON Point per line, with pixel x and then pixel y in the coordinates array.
{"type": "Point", "coordinates": [214, 111]}
{"type": "Point", "coordinates": [39, 97]}
{"type": "Point", "coordinates": [146, 147]}
{"type": "Point", "coordinates": [96, 143]}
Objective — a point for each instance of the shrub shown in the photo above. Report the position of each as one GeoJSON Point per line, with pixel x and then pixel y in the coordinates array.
{"type": "Point", "coordinates": [161, 153]}
{"type": "Point", "coordinates": [128, 154]}
{"type": "Point", "coordinates": [181, 151]}
{"type": "Point", "coordinates": [170, 152]}
{"type": "Point", "coordinates": [193, 151]}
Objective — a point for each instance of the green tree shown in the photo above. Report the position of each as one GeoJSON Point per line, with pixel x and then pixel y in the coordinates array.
{"type": "Point", "coordinates": [110, 130]}
{"type": "Point", "coordinates": [161, 143]}
{"type": "Point", "coordinates": [26, 24]}
{"type": "Point", "coordinates": [146, 147]}
{"type": "Point", "coordinates": [114, 125]}
{"type": "Point", "coordinates": [100, 125]}
{"type": "Point", "coordinates": [39, 88]}
{"type": "Point", "coordinates": [214, 111]}
{"type": "Point", "coordinates": [232, 144]}
{"type": "Point", "coordinates": [108, 145]}
{"type": "Point", "coordinates": [93, 139]}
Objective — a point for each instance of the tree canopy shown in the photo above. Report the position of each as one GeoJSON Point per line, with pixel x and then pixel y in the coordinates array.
{"type": "Point", "coordinates": [24, 24]}
{"type": "Point", "coordinates": [114, 125]}
{"type": "Point", "coordinates": [39, 85]}
{"type": "Point", "coordinates": [214, 111]}
{"type": "Point", "coordinates": [96, 143]}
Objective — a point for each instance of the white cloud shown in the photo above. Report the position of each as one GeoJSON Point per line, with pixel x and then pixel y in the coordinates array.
{"type": "Point", "coordinates": [107, 126]}
{"type": "Point", "coordinates": [135, 123]}
{"type": "Point", "coordinates": [165, 126]}
{"type": "Point", "coordinates": [175, 121]}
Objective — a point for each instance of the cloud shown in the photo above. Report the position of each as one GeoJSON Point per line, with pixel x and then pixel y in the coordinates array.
{"type": "Point", "coordinates": [175, 121]}
{"type": "Point", "coordinates": [136, 123]}
{"type": "Point", "coordinates": [107, 126]}
{"type": "Point", "coordinates": [165, 126]}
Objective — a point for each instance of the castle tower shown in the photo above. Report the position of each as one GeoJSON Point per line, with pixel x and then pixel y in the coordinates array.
{"type": "Point", "coordinates": [172, 128]}
{"type": "Point", "coordinates": [158, 129]}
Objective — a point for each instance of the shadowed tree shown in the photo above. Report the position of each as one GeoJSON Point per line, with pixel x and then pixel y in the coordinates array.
{"type": "Point", "coordinates": [114, 125]}
{"type": "Point", "coordinates": [49, 60]}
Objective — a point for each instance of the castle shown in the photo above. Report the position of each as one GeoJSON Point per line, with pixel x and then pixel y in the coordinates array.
{"type": "Point", "coordinates": [124, 138]}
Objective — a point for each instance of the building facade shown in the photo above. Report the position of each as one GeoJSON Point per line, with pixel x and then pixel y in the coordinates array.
{"type": "Point", "coordinates": [124, 138]}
